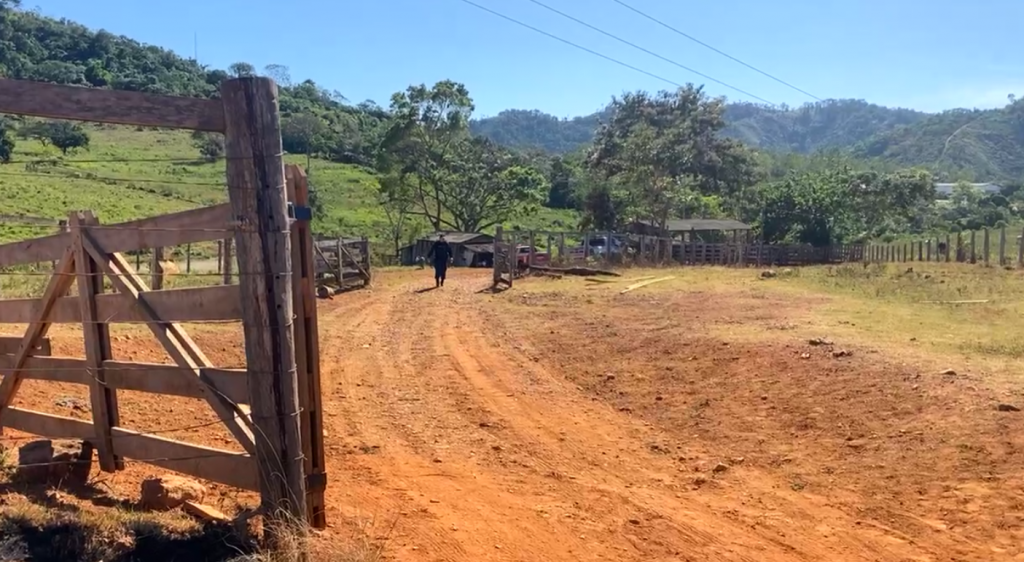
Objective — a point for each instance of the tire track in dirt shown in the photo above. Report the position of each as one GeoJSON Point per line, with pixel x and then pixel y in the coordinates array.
{"type": "Point", "coordinates": [450, 510]}
{"type": "Point", "coordinates": [811, 527]}
{"type": "Point", "coordinates": [438, 418]}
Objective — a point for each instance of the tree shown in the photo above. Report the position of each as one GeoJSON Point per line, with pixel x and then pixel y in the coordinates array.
{"type": "Point", "coordinates": [35, 130]}
{"type": "Point", "coordinates": [487, 186]}
{"type": "Point", "coordinates": [279, 73]}
{"type": "Point", "coordinates": [210, 145]}
{"type": "Point", "coordinates": [661, 149]}
{"type": "Point", "coordinates": [422, 136]}
{"type": "Point", "coordinates": [67, 136]}
{"type": "Point", "coordinates": [240, 69]}
{"type": "Point", "coordinates": [395, 198]}
{"type": "Point", "coordinates": [561, 176]}
{"type": "Point", "coordinates": [6, 142]}
{"type": "Point", "coordinates": [303, 134]}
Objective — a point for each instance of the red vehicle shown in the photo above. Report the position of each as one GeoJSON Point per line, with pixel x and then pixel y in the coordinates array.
{"type": "Point", "coordinates": [523, 257]}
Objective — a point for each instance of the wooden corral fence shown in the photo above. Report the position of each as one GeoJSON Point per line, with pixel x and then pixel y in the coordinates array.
{"type": "Point", "coordinates": [504, 260]}
{"type": "Point", "coordinates": [989, 246]}
{"type": "Point", "coordinates": [608, 248]}
{"type": "Point", "coordinates": [341, 264]}
{"type": "Point", "coordinates": [272, 407]}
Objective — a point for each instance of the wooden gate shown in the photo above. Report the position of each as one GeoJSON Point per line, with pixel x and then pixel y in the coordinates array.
{"type": "Point", "coordinates": [504, 260]}
{"type": "Point", "coordinates": [272, 408]}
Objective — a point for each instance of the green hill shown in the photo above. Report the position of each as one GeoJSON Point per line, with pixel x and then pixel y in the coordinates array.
{"type": "Point", "coordinates": [956, 144]}
{"type": "Point", "coordinates": [132, 172]}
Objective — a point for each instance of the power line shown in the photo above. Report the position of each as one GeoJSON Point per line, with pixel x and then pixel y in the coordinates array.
{"type": "Point", "coordinates": [571, 44]}
{"type": "Point", "coordinates": [591, 51]}
{"type": "Point", "coordinates": [724, 54]}
{"type": "Point", "coordinates": [649, 52]}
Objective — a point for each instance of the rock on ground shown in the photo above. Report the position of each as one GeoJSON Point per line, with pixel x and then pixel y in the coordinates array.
{"type": "Point", "coordinates": [168, 492]}
{"type": "Point", "coordinates": [53, 460]}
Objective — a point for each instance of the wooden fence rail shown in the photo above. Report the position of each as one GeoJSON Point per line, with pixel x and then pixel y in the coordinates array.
{"type": "Point", "coordinates": [986, 247]}
{"type": "Point", "coordinates": [281, 453]}
{"type": "Point", "coordinates": [341, 264]}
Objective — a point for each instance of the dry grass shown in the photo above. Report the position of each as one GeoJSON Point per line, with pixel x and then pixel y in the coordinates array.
{"type": "Point", "coordinates": [904, 308]}
{"type": "Point", "coordinates": [61, 533]}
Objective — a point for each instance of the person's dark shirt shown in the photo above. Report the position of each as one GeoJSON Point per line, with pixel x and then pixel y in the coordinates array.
{"type": "Point", "coordinates": [441, 252]}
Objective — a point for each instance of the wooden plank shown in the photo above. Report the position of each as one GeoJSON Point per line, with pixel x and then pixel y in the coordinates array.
{"type": "Point", "coordinates": [216, 465]}
{"type": "Point", "coordinates": [195, 304]}
{"type": "Point", "coordinates": [636, 286]}
{"type": "Point", "coordinates": [58, 285]}
{"type": "Point", "coordinates": [174, 339]}
{"type": "Point", "coordinates": [155, 378]}
{"type": "Point", "coordinates": [53, 101]}
{"type": "Point", "coordinates": [11, 344]}
{"type": "Point", "coordinates": [170, 379]}
{"type": "Point", "coordinates": [307, 349]}
{"type": "Point", "coordinates": [96, 335]}
{"type": "Point", "coordinates": [256, 188]}
{"type": "Point", "coordinates": [197, 225]}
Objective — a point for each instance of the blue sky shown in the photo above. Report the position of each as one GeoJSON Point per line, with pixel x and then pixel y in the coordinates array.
{"type": "Point", "coordinates": [925, 54]}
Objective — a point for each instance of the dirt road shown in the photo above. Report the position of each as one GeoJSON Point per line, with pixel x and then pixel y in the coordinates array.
{"type": "Point", "coordinates": [462, 441]}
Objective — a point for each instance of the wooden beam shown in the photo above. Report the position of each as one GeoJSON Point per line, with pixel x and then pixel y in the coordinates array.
{"type": "Point", "coordinates": [307, 349]}
{"type": "Point", "coordinates": [197, 225]}
{"type": "Point", "coordinates": [174, 339]}
{"type": "Point", "coordinates": [60, 282]}
{"type": "Point", "coordinates": [216, 465]}
{"type": "Point", "coordinates": [11, 344]}
{"type": "Point", "coordinates": [195, 304]}
{"type": "Point", "coordinates": [155, 378]}
{"type": "Point", "coordinates": [96, 335]}
{"type": "Point", "coordinates": [256, 188]}
{"type": "Point", "coordinates": [52, 101]}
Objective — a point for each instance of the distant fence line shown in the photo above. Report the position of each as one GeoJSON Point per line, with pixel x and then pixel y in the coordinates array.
{"type": "Point", "coordinates": [986, 246]}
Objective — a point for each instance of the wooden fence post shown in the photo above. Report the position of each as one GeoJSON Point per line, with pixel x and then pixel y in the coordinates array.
{"type": "Point", "coordinates": [974, 255]}
{"type": "Point", "coordinates": [156, 270]}
{"type": "Point", "coordinates": [229, 259]}
{"type": "Point", "coordinates": [188, 258]}
{"type": "Point", "coordinates": [985, 245]}
{"type": "Point", "coordinates": [220, 256]}
{"type": "Point", "coordinates": [256, 189]}
{"type": "Point", "coordinates": [928, 247]}
{"type": "Point", "coordinates": [307, 350]}
{"type": "Point", "coordinates": [1020, 249]}
{"type": "Point", "coordinates": [1002, 246]}
{"type": "Point", "coordinates": [96, 334]}
{"type": "Point", "coordinates": [533, 248]}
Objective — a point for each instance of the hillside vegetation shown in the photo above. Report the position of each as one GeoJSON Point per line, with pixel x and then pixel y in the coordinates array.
{"type": "Point", "coordinates": [973, 145]}
{"type": "Point", "coordinates": [839, 170]}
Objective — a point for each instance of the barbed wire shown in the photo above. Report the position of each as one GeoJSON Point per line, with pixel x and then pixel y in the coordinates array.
{"type": "Point", "coordinates": [141, 461]}
{"type": "Point", "coordinates": [112, 179]}
{"type": "Point", "coordinates": [183, 160]}
{"type": "Point", "coordinates": [151, 431]}
{"type": "Point", "coordinates": [136, 273]}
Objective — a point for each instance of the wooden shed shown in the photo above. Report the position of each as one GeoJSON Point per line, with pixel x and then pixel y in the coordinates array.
{"type": "Point", "coordinates": [468, 248]}
{"type": "Point", "coordinates": [706, 230]}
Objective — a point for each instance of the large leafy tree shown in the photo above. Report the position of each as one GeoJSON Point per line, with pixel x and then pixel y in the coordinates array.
{"type": "Point", "coordinates": [454, 181]}
{"type": "Point", "coordinates": [661, 148]}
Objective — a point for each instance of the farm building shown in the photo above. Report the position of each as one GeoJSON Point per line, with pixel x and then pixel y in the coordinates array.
{"type": "Point", "coordinates": [701, 229]}
{"type": "Point", "coordinates": [471, 249]}
{"type": "Point", "coordinates": [946, 189]}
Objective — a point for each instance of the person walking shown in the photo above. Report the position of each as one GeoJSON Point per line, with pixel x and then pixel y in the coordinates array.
{"type": "Point", "coordinates": [441, 252]}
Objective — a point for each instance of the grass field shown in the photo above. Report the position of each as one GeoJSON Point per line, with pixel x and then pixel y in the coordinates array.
{"type": "Point", "coordinates": [126, 175]}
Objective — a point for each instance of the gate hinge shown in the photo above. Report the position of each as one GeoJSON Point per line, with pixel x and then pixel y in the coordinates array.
{"type": "Point", "coordinates": [299, 212]}
{"type": "Point", "coordinates": [316, 482]}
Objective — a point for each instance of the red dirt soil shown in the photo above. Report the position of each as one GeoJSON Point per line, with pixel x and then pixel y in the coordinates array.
{"type": "Point", "coordinates": [551, 426]}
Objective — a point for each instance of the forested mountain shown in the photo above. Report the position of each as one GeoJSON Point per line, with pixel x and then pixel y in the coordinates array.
{"type": "Point", "coordinates": [979, 145]}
